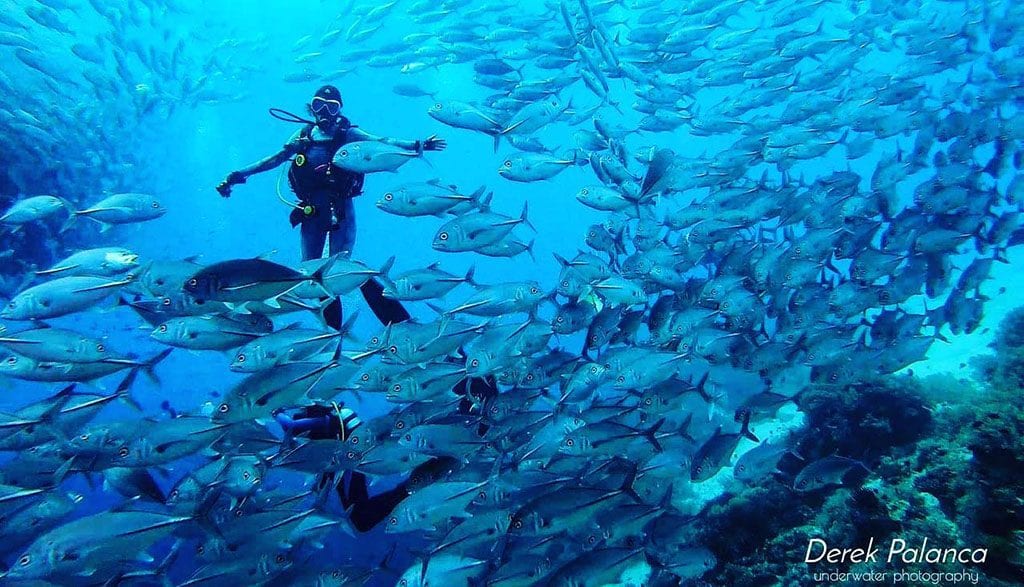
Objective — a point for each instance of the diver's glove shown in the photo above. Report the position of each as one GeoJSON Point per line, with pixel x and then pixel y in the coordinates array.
{"type": "Point", "coordinates": [233, 178]}
{"type": "Point", "coordinates": [432, 143]}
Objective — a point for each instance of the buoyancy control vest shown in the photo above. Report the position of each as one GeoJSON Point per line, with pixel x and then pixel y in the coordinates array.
{"type": "Point", "coordinates": [312, 169]}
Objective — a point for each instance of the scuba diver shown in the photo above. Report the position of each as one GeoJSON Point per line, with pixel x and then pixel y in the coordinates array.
{"type": "Point", "coordinates": [325, 211]}
{"type": "Point", "coordinates": [326, 215]}
{"type": "Point", "coordinates": [334, 422]}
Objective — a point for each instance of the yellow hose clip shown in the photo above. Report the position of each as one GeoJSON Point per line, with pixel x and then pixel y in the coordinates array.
{"type": "Point", "coordinates": [300, 160]}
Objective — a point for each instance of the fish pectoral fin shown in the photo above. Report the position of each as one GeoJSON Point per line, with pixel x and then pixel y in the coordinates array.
{"type": "Point", "coordinates": [102, 286]}
{"type": "Point", "coordinates": [238, 287]}
{"type": "Point", "coordinates": [89, 211]}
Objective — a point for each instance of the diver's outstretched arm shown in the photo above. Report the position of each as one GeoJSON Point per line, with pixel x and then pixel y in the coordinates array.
{"type": "Point", "coordinates": [265, 164]}
{"type": "Point", "coordinates": [430, 144]}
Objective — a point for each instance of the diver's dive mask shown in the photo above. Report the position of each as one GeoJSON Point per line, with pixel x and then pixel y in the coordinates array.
{"type": "Point", "coordinates": [325, 107]}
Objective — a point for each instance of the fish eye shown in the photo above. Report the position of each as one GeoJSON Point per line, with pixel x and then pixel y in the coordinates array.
{"type": "Point", "coordinates": [241, 358]}
{"type": "Point", "coordinates": [593, 338]}
{"type": "Point", "coordinates": [344, 152]}
{"type": "Point", "coordinates": [508, 163]}
{"type": "Point", "coordinates": [350, 455]}
{"type": "Point", "coordinates": [534, 290]}
{"type": "Point", "coordinates": [529, 376]}
{"type": "Point", "coordinates": [591, 234]}
{"type": "Point", "coordinates": [741, 468]}
{"type": "Point", "coordinates": [593, 370]}
{"type": "Point", "coordinates": [400, 424]}
{"type": "Point", "coordinates": [12, 360]}
{"type": "Point", "coordinates": [223, 408]}
{"type": "Point", "coordinates": [355, 440]}
{"type": "Point", "coordinates": [365, 377]}
{"type": "Point", "coordinates": [437, 105]}
{"type": "Point", "coordinates": [174, 494]}
{"type": "Point", "coordinates": [193, 282]}
{"type": "Point", "coordinates": [388, 197]}
{"type": "Point", "coordinates": [591, 539]}
{"type": "Point", "coordinates": [123, 452]}
{"type": "Point", "coordinates": [621, 379]}
{"type": "Point", "coordinates": [336, 574]}
{"type": "Point", "coordinates": [648, 401]}
{"type": "Point", "coordinates": [245, 475]}
{"type": "Point", "coordinates": [162, 328]}
{"type": "Point", "coordinates": [393, 521]}
{"type": "Point", "coordinates": [494, 410]}
{"type": "Point", "coordinates": [397, 387]}
{"type": "Point", "coordinates": [25, 560]}
{"type": "Point", "coordinates": [375, 340]}
{"type": "Point", "coordinates": [84, 437]}
{"type": "Point", "coordinates": [166, 301]}
{"type": "Point", "coordinates": [408, 437]}
{"type": "Point", "coordinates": [200, 549]}
{"type": "Point", "coordinates": [474, 363]}
{"type": "Point", "coordinates": [584, 191]}
{"type": "Point", "coordinates": [155, 204]}
{"type": "Point", "coordinates": [518, 524]}
{"type": "Point", "coordinates": [443, 236]}
{"type": "Point", "coordinates": [559, 319]}
{"type": "Point", "coordinates": [100, 348]}
{"type": "Point", "coordinates": [569, 442]}
{"type": "Point", "coordinates": [280, 558]}
{"type": "Point", "coordinates": [392, 349]}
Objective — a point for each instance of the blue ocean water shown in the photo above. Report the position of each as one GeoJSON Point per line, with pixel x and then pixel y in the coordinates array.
{"type": "Point", "coordinates": [171, 97]}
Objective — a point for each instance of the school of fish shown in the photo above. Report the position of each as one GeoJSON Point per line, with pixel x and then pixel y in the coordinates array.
{"type": "Point", "coordinates": [741, 260]}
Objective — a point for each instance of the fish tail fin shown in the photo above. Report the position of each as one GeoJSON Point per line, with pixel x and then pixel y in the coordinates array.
{"type": "Point", "coordinates": [469, 276]}
{"type": "Point", "coordinates": [318, 276]}
{"type": "Point", "coordinates": [684, 430]}
{"type": "Point", "coordinates": [148, 366]}
{"type": "Point", "coordinates": [123, 391]}
{"type": "Point", "coordinates": [497, 141]}
{"type": "Point", "coordinates": [386, 268]}
{"type": "Point", "coordinates": [745, 429]}
{"type": "Point", "coordinates": [650, 433]}
{"type": "Point", "coordinates": [529, 249]}
{"type": "Point", "coordinates": [702, 388]}
{"type": "Point", "coordinates": [70, 222]}
{"type": "Point", "coordinates": [61, 472]}
{"type": "Point", "coordinates": [627, 484]}
{"type": "Point", "coordinates": [666, 500]}
{"type": "Point", "coordinates": [476, 196]}
{"type": "Point", "coordinates": [346, 329]}
{"type": "Point", "coordinates": [524, 217]}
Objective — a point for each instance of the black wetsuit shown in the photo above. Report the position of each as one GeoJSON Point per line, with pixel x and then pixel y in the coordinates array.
{"type": "Point", "coordinates": [366, 511]}
{"type": "Point", "coordinates": [326, 191]}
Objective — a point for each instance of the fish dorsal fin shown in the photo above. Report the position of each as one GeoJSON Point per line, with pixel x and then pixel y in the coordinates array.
{"type": "Point", "coordinates": [266, 255]}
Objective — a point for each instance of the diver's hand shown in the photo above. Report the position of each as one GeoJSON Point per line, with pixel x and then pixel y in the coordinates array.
{"type": "Point", "coordinates": [233, 178]}
{"type": "Point", "coordinates": [432, 143]}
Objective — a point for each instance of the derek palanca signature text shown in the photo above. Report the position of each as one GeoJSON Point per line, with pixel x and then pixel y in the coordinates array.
{"type": "Point", "coordinates": [818, 551]}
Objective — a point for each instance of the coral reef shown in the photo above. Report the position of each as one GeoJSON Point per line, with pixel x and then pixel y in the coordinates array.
{"type": "Point", "coordinates": [945, 456]}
